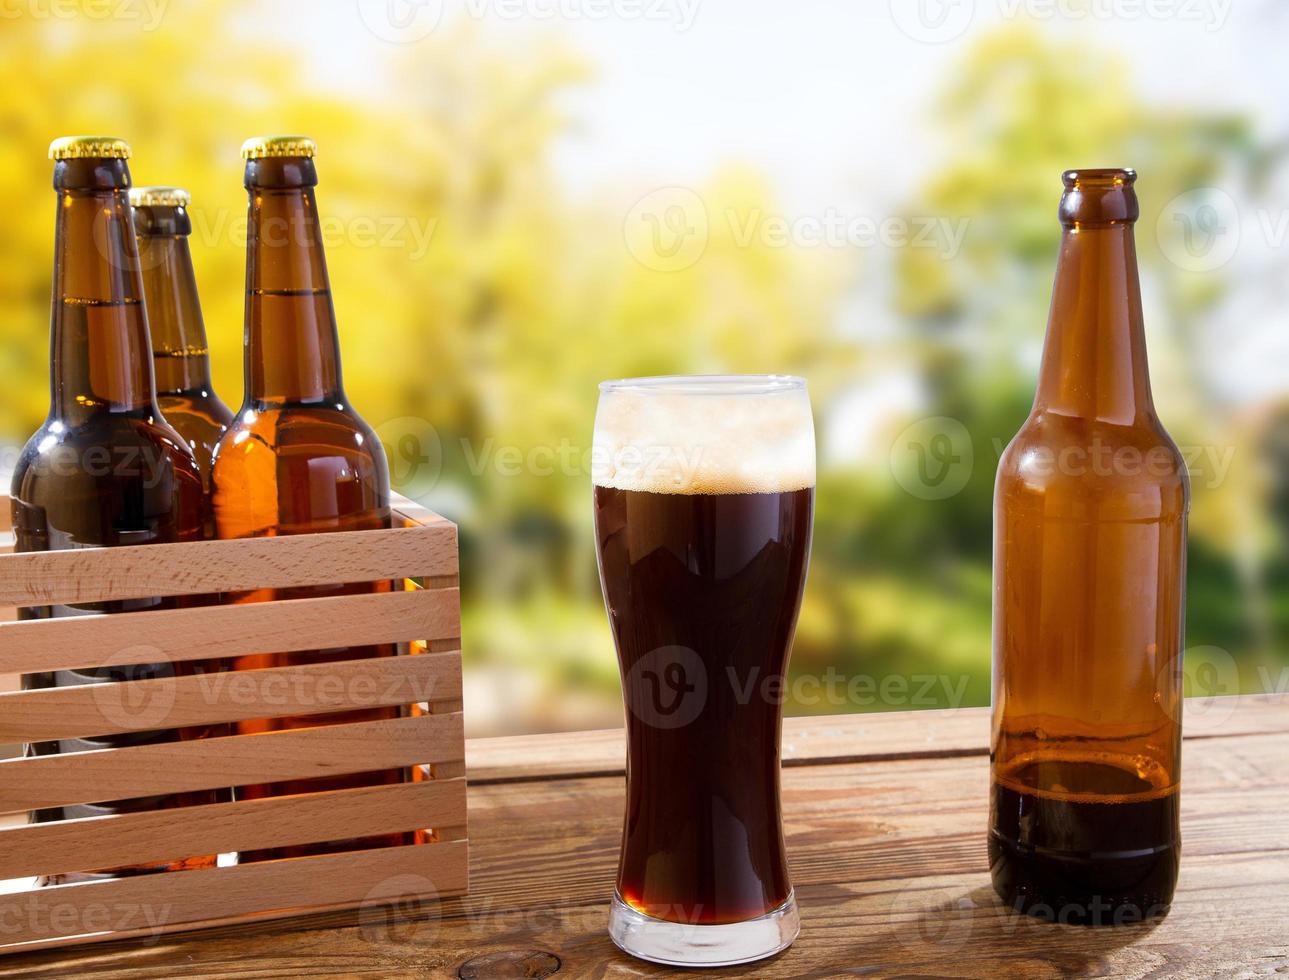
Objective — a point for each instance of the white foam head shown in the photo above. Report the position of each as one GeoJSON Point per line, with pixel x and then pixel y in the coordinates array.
{"type": "Point", "coordinates": [718, 434]}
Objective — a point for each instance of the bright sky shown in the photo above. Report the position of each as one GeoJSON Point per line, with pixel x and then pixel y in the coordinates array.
{"type": "Point", "coordinates": [823, 95]}
{"type": "Point", "coordinates": [827, 97]}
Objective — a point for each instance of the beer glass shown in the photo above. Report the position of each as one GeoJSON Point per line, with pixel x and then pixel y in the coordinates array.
{"type": "Point", "coordinates": [704, 499]}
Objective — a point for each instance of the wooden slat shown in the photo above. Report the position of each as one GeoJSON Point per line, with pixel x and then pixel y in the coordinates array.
{"type": "Point", "coordinates": [209, 632]}
{"type": "Point", "coordinates": [829, 739]}
{"type": "Point", "coordinates": [204, 699]}
{"type": "Point", "coordinates": [408, 513]}
{"type": "Point", "coordinates": [825, 740]}
{"type": "Point", "coordinates": [204, 567]}
{"type": "Point", "coordinates": [151, 905]}
{"type": "Point", "coordinates": [168, 835]}
{"type": "Point", "coordinates": [414, 513]}
{"type": "Point", "coordinates": [179, 767]}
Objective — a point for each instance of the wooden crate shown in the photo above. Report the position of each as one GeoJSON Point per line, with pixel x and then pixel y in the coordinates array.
{"type": "Point", "coordinates": [428, 739]}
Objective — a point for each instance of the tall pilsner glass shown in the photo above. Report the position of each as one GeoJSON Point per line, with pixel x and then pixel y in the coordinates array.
{"type": "Point", "coordinates": [704, 499]}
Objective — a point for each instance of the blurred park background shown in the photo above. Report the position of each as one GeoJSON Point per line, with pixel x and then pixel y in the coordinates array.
{"type": "Point", "coordinates": [525, 197]}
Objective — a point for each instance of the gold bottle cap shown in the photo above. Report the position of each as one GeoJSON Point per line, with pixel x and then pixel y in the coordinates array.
{"type": "Point", "coordinates": [86, 147]}
{"type": "Point", "coordinates": [260, 147]}
{"type": "Point", "coordinates": [159, 197]}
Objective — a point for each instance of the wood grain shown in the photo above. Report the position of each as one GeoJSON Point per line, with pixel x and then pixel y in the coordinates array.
{"type": "Point", "coordinates": [206, 567]}
{"type": "Point", "coordinates": [206, 699]}
{"type": "Point", "coordinates": [126, 839]}
{"type": "Point", "coordinates": [181, 767]}
{"type": "Point", "coordinates": [150, 905]}
{"type": "Point", "coordinates": [814, 740]}
{"type": "Point", "coordinates": [887, 857]}
{"type": "Point", "coordinates": [423, 619]}
{"type": "Point", "coordinates": [209, 632]}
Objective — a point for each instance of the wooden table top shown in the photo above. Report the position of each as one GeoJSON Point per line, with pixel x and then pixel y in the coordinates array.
{"type": "Point", "coordinates": [885, 820]}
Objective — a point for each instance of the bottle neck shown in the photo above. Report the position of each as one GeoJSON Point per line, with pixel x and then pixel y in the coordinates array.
{"type": "Point", "coordinates": [292, 345]}
{"type": "Point", "coordinates": [1094, 359]}
{"type": "Point", "coordinates": [102, 357]}
{"type": "Point", "coordinates": [180, 354]}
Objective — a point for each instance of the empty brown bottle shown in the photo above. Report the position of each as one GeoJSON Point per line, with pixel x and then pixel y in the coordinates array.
{"type": "Point", "coordinates": [297, 459]}
{"type": "Point", "coordinates": [180, 356]}
{"type": "Point", "coordinates": [105, 469]}
{"type": "Point", "coordinates": [1089, 575]}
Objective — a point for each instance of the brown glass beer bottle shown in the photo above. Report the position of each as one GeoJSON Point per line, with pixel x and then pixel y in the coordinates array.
{"type": "Point", "coordinates": [180, 356]}
{"type": "Point", "coordinates": [1089, 573]}
{"type": "Point", "coordinates": [297, 459]}
{"type": "Point", "coordinates": [105, 469]}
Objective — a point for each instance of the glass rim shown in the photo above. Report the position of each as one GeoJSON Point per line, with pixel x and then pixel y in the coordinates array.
{"type": "Point", "coordinates": [707, 384]}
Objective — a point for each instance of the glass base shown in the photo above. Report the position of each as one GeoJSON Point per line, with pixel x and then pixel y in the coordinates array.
{"type": "Point", "coordinates": [679, 944]}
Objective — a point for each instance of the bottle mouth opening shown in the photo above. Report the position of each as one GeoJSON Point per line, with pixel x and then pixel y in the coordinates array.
{"type": "Point", "coordinates": [1099, 177]}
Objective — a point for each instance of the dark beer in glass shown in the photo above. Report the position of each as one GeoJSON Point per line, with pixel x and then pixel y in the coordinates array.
{"type": "Point", "coordinates": [704, 496]}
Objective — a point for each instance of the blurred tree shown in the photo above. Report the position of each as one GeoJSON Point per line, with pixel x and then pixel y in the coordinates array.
{"type": "Point", "coordinates": [1020, 110]}
{"type": "Point", "coordinates": [480, 303]}
{"type": "Point", "coordinates": [478, 306]}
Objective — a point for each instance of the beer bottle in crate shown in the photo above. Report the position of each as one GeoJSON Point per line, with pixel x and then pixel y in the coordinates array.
{"type": "Point", "coordinates": [179, 352]}
{"type": "Point", "coordinates": [105, 469]}
{"type": "Point", "coordinates": [297, 458]}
